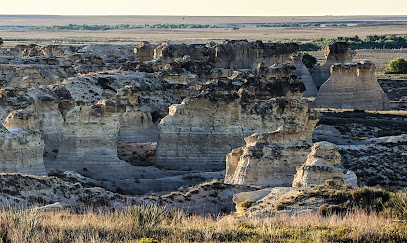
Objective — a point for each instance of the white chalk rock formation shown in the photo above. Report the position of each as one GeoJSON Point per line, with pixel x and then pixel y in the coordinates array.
{"type": "Point", "coordinates": [270, 158]}
{"type": "Point", "coordinates": [351, 179]}
{"type": "Point", "coordinates": [323, 163]}
{"type": "Point", "coordinates": [303, 73]}
{"type": "Point", "coordinates": [22, 146]}
{"type": "Point", "coordinates": [199, 132]}
{"type": "Point", "coordinates": [352, 86]}
{"type": "Point", "coordinates": [90, 136]}
{"type": "Point", "coordinates": [339, 52]}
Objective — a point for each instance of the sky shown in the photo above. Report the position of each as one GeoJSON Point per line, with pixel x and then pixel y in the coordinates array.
{"type": "Point", "coordinates": [205, 7]}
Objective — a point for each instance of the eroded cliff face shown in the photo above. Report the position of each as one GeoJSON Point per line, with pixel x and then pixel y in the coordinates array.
{"type": "Point", "coordinates": [270, 158]}
{"type": "Point", "coordinates": [303, 73]}
{"type": "Point", "coordinates": [323, 163]}
{"type": "Point", "coordinates": [32, 65]}
{"type": "Point", "coordinates": [352, 86]}
{"type": "Point", "coordinates": [339, 52]}
{"type": "Point", "coordinates": [22, 145]}
{"type": "Point", "coordinates": [199, 132]}
{"type": "Point", "coordinates": [197, 64]}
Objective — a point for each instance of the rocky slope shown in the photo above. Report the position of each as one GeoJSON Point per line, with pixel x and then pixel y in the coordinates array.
{"type": "Point", "coordinates": [24, 191]}
{"type": "Point", "coordinates": [371, 145]}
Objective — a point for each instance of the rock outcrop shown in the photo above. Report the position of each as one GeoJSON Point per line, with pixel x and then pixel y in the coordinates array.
{"type": "Point", "coordinates": [323, 163]}
{"type": "Point", "coordinates": [199, 132]}
{"type": "Point", "coordinates": [303, 73]}
{"type": "Point", "coordinates": [248, 55]}
{"type": "Point", "coordinates": [145, 51]}
{"type": "Point", "coordinates": [339, 52]}
{"type": "Point", "coordinates": [270, 159]}
{"type": "Point", "coordinates": [352, 86]}
{"type": "Point", "coordinates": [22, 145]}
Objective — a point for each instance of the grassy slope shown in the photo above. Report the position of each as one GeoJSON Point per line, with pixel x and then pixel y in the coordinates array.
{"type": "Point", "coordinates": [166, 225]}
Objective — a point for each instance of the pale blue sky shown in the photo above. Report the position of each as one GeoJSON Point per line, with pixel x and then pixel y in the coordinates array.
{"type": "Point", "coordinates": [206, 7]}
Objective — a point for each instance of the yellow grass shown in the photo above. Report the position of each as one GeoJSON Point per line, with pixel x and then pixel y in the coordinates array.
{"type": "Point", "coordinates": [133, 224]}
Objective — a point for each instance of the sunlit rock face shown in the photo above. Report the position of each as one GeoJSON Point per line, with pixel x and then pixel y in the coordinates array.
{"type": "Point", "coordinates": [270, 158]}
{"type": "Point", "coordinates": [352, 86]}
{"type": "Point", "coordinates": [90, 136]}
{"type": "Point", "coordinates": [199, 132]}
{"type": "Point", "coordinates": [323, 163]}
{"type": "Point", "coordinates": [22, 145]}
{"type": "Point", "coordinates": [339, 52]}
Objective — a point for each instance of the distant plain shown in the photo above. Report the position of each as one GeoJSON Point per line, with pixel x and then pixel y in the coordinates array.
{"type": "Point", "coordinates": [361, 26]}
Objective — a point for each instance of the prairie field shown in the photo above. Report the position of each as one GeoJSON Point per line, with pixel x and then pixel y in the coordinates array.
{"type": "Point", "coordinates": [152, 224]}
{"type": "Point", "coordinates": [197, 36]}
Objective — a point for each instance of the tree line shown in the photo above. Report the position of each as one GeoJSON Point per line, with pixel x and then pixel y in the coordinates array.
{"type": "Point", "coordinates": [370, 42]}
{"type": "Point", "coordinates": [125, 26]}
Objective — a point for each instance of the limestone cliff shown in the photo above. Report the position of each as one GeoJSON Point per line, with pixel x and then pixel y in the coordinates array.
{"type": "Point", "coordinates": [199, 132]}
{"type": "Point", "coordinates": [339, 52]}
{"type": "Point", "coordinates": [323, 163]}
{"type": "Point", "coordinates": [22, 145]}
{"type": "Point", "coordinates": [247, 55]}
{"type": "Point", "coordinates": [352, 86]}
{"type": "Point", "coordinates": [270, 158]}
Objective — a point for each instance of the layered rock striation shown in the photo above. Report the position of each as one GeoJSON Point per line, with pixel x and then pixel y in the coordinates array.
{"type": "Point", "coordinates": [352, 86]}
{"type": "Point", "coordinates": [199, 132]}
{"type": "Point", "coordinates": [270, 158]}
{"type": "Point", "coordinates": [22, 145]}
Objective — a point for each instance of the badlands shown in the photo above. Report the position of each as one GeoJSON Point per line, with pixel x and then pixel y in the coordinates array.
{"type": "Point", "coordinates": [202, 128]}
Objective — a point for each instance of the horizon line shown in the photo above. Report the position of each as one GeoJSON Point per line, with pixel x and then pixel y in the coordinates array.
{"type": "Point", "coordinates": [170, 15]}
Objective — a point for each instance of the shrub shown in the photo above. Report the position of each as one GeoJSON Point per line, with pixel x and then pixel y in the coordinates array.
{"type": "Point", "coordinates": [397, 204]}
{"type": "Point", "coordinates": [1, 42]}
{"type": "Point", "coordinates": [247, 204]}
{"type": "Point", "coordinates": [309, 60]}
{"type": "Point", "coordinates": [397, 66]}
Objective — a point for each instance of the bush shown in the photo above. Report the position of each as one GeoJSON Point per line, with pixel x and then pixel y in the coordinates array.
{"type": "Point", "coordinates": [1, 42]}
{"type": "Point", "coordinates": [309, 60]}
{"type": "Point", "coordinates": [397, 66]}
{"type": "Point", "coordinates": [247, 204]}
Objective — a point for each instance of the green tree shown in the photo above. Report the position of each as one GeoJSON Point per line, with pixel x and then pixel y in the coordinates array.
{"type": "Point", "coordinates": [309, 60]}
{"type": "Point", "coordinates": [397, 66]}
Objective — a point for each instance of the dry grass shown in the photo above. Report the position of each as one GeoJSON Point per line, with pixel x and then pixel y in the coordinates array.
{"type": "Point", "coordinates": [164, 225]}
